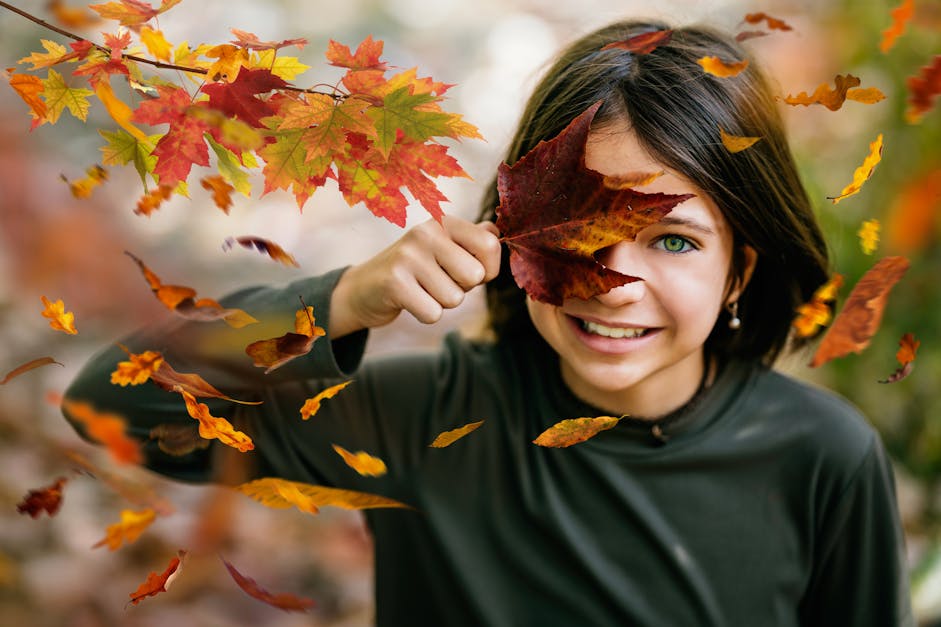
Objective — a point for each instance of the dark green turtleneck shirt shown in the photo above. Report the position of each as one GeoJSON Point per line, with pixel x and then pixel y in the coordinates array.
{"type": "Point", "coordinates": [766, 502]}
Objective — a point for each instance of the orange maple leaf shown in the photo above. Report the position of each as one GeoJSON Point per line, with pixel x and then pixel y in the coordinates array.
{"type": "Point", "coordinates": [71, 17]}
{"type": "Point", "coordinates": [214, 427]}
{"type": "Point", "coordinates": [574, 430]}
{"type": "Point", "coordinates": [59, 318]}
{"type": "Point", "coordinates": [863, 172]}
{"type": "Point", "coordinates": [131, 13]}
{"type": "Point", "coordinates": [30, 365]}
{"type": "Point", "coordinates": [47, 499]}
{"type": "Point", "coordinates": [107, 428]}
{"type": "Point", "coordinates": [275, 352]}
{"type": "Point", "coordinates": [128, 530]}
{"type": "Point", "coordinates": [722, 69]}
{"type": "Point", "coordinates": [157, 583]}
{"type": "Point", "coordinates": [150, 201]}
{"type": "Point", "coordinates": [901, 15]}
{"type": "Point", "coordinates": [221, 191]}
{"type": "Point", "coordinates": [283, 601]}
{"type": "Point", "coordinates": [312, 405]}
{"type": "Point", "coordinates": [448, 438]}
{"type": "Point", "coordinates": [29, 88]}
{"type": "Point", "coordinates": [362, 462]}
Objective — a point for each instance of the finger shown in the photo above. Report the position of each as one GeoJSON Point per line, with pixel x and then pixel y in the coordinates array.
{"type": "Point", "coordinates": [482, 242]}
{"type": "Point", "coordinates": [440, 286]}
{"type": "Point", "coordinates": [415, 299]}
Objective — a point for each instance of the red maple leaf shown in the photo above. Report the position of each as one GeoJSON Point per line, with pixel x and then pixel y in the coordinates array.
{"type": "Point", "coordinates": [239, 99]}
{"type": "Point", "coordinates": [48, 499]}
{"type": "Point", "coordinates": [183, 145]}
{"type": "Point", "coordinates": [555, 213]}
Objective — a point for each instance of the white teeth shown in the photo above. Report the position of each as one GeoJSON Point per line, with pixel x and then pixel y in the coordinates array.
{"type": "Point", "coordinates": [615, 332]}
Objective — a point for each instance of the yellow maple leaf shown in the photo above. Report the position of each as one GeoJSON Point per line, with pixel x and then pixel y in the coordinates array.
{"type": "Point", "coordinates": [53, 54]}
{"type": "Point", "coordinates": [59, 318]}
{"type": "Point", "coordinates": [230, 61]}
{"type": "Point", "coordinates": [863, 172]}
{"type": "Point", "coordinates": [156, 43]}
{"type": "Point", "coordinates": [869, 236]}
{"type": "Point", "coordinates": [131, 526]}
{"type": "Point", "coordinates": [736, 143]}
{"type": "Point", "coordinates": [362, 462]}
{"type": "Point", "coordinates": [117, 109]}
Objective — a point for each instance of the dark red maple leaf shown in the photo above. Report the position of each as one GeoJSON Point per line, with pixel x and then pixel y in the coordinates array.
{"type": "Point", "coordinates": [48, 499]}
{"type": "Point", "coordinates": [555, 214]}
{"type": "Point", "coordinates": [183, 145]}
{"type": "Point", "coordinates": [240, 99]}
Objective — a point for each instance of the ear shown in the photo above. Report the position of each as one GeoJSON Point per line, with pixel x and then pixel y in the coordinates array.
{"type": "Point", "coordinates": [739, 277]}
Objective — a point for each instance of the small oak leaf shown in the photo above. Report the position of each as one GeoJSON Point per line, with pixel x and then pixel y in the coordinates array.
{"type": "Point", "coordinates": [275, 352]}
{"type": "Point", "coordinates": [107, 428]}
{"type": "Point", "coordinates": [264, 246]}
{"type": "Point", "coordinates": [832, 99]}
{"type": "Point", "coordinates": [922, 90]}
{"type": "Point", "coordinates": [83, 188]}
{"type": "Point", "coordinates": [215, 427]}
{"type": "Point", "coordinates": [138, 369]}
{"type": "Point", "coordinates": [901, 15]}
{"type": "Point", "coordinates": [59, 318]}
{"type": "Point", "coordinates": [645, 43]}
{"type": "Point", "coordinates": [816, 312]}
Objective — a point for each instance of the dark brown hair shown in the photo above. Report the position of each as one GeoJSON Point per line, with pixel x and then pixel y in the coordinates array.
{"type": "Point", "coordinates": [676, 111]}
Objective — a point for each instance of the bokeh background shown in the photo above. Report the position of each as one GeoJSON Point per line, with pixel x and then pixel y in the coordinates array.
{"type": "Point", "coordinates": [492, 50]}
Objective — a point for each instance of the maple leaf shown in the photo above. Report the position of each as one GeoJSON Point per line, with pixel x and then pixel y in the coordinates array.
{"type": "Point", "coordinates": [574, 430]}
{"type": "Point", "coordinates": [138, 369]}
{"type": "Point", "coordinates": [131, 13]}
{"type": "Point", "coordinates": [29, 88]}
{"type": "Point", "coordinates": [59, 318]}
{"type": "Point", "coordinates": [901, 15]}
{"type": "Point", "coordinates": [214, 427]}
{"type": "Point", "coordinates": [362, 462]}
{"type": "Point", "coordinates": [637, 179]}
{"type": "Point", "coordinates": [366, 56]}
{"type": "Point", "coordinates": [54, 54]}
{"type": "Point", "coordinates": [123, 148]}
{"type": "Point", "coordinates": [263, 246]}
{"type": "Point", "coordinates": [251, 41]}
{"type": "Point", "coordinates": [30, 365]}
{"type": "Point", "coordinates": [58, 97]}
{"type": "Point", "coordinates": [283, 601]}
{"type": "Point", "coordinates": [327, 122]}
{"type": "Point", "coordinates": [905, 355]}
{"type": "Point", "coordinates": [128, 530]}
{"type": "Point", "coordinates": [555, 213]}
{"type": "Point", "coordinates": [645, 43]}
{"type": "Point", "coordinates": [722, 69]}
{"type": "Point", "coordinates": [772, 22]}
{"type": "Point", "coordinates": [157, 583]}
{"type": "Point", "coordinates": [46, 499]}
{"type": "Point", "coordinates": [221, 191]}
{"type": "Point", "coordinates": [402, 111]}
{"type": "Point", "coordinates": [447, 438]}
{"type": "Point", "coordinates": [922, 90]}
{"type": "Point", "coordinates": [869, 236]}
{"type": "Point", "coordinates": [275, 352]}
{"type": "Point", "coordinates": [281, 494]}
{"type": "Point", "coordinates": [151, 201]}
{"type": "Point", "coordinates": [288, 68]}
{"type": "Point", "coordinates": [239, 98]}
{"type": "Point", "coordinates": [107, 428]}
{"type": "Point", "coordinates": [736, 143]}
{"type": "Point", "coordinates": [312, 405]}
{"type": "Point", "coordinates": [156, 43]}
{"type": "Point", "coordinates": [832, 99]}
{"type": "Point", "coordinates": [863, 172]}
{"type": "Point", "coordinates": [181, 300]}
{"type": "Point", "coordinates": [82, 188]}
{"type": "Point", "coordinates": [183, 145]}
{"type": "Point", "coordinates": [230, 168]}
{"type": "Point", "coordinates": [117, 109]}
{"type": "Point", "coordinates": [231, 60]}
{"type": "Point", "coordinates": [861, 315]}
{"type": "Point", "coordinates": [287, 167]}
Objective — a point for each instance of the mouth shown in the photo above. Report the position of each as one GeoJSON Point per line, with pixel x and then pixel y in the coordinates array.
{"type": "Point", "coordinates": [596, 328]}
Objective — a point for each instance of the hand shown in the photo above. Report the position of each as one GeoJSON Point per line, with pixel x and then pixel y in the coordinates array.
{"type": "Point", "coordinates": [428, 270]}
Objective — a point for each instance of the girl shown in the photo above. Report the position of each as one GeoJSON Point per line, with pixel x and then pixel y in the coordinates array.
{"type": "Point", "coordinates": [729, 494]}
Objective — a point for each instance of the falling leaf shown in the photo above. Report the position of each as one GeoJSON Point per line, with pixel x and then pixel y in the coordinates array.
{"type": "Point", "coordinates": [283, 601]}
{"type": "Point", "coordinates": [178, 440]}
{"type": "Point", "coordinates": [106, 428]}
{"type": "Point", "coordinates": [863, 172]}
{"type": "Point", "coordinates": [281, 494]}
{"type": "Point", "coordinates": [59, 318]}
{"type": "Point", "coordinates": [552, 241]}
{"type": "Point", "coordinates": [155, 584]}
{"type": "Point", "coordinates": [221, 191]}
{"type": "Point", "coordinates": [30, 365]}
{"type": "Point", "coordinates": [869, 236]}
{"type": "Point", "coordinates": [861, 315]}
{"type": "Point", "coordinates": [362, 462]}
{"type": "Point", "coordinates": [736, 143]}
{"type": "Point", "coordinates": [922, 90]}
{"type": "Point", "coordinates": [47, 499]}
{"type": "Point", "coordinates": [263, 246]}
{"type": "Point", "coordinates": [448, 438]}
{"type": "Point", "coordinates": [82, 188]}
{"type": "Point", "coordinates": [868, 95]}
{"type": "Point", "coordinates": [772, 22]}
{"type": "Point", "coordinates": [722, 69]}
{"type": "Point", "coordinates": [275, 352]}
{"type": "Point", "coordinates": [156, 43]}
{"type": "Point", "coordinates": [138, 369]}
{"type": "Point", "coordinates": [150, 201]}
{"type": "Point", "coordinates": [131, 526]}
{"type": "Point", "coordinates": [816, 313]}
{"type": "Point", "coordinates": [832, 99]}
{"type": "Point", "coordinates": [169, 379]}
{"type": "Point", "coordinates": [905, 355]}
{"type": "Point", "coordinates": [645, 43]}
{"type": "Point", "coordinates": [214, 427]}
{"type": "Point", "coordinates": [182, 301]}
{"type": "Point", "coordinates": [312, 405]}
{"type": "Point", "coordinates": [901, 15]}
{"type": "Point", "coordinates": [574, 430]}
{"type": "Point", "coordinates": [914, 213]}
{"type": "Point", "coordinates": [745, 35]}
{"type": "Point", "coordinates": [71, 17]}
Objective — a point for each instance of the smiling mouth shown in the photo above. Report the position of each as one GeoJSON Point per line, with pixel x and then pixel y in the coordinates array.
{"type": "Point", "coordinates": [614, 332]}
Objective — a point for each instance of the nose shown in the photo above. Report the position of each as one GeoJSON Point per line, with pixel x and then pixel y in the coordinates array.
{"type": "Point", "coordinates": [623, 257]}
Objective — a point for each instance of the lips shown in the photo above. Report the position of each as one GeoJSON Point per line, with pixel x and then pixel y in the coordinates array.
{"type": "Point", "coordinates": [609, 337]}
{"type": "Point", "coordinates": [616, 332]}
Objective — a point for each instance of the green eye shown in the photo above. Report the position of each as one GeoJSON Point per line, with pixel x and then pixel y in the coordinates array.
{"type": "Point", "coordinates": [675, 244]}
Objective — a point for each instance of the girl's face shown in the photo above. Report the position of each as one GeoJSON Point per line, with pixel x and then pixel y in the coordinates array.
{"type": "Point", "coordinates": [638, 349]}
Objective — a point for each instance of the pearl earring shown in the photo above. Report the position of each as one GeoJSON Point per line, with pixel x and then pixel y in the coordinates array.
{"type": "Point", "coordinates": [735, 323]}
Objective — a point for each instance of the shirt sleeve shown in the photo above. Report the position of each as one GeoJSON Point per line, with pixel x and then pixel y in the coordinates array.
{"type": "Point", "coordinates": [860, 576]}
{"type": "Point", "coordinates": [216, 352]}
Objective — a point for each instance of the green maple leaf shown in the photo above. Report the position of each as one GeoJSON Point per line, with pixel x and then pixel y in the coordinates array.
{"type": "Point", "coordinates": [59, 97]}
{"type": "Point", "coordinates": [230, 168]}
{"type": "Point", "coordinates": [286, 165]}
{"type": "Point", "coordinates": [400, 112]}
{"type": "Point", "coordinates": [123, 148]}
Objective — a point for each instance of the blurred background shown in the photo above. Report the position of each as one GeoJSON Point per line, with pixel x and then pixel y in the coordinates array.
{"type": "Point", "coordinates": [54, 245]}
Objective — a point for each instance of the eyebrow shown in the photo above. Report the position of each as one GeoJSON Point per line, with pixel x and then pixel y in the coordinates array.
{"type": "Point", "coordinates": [669, 220]}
